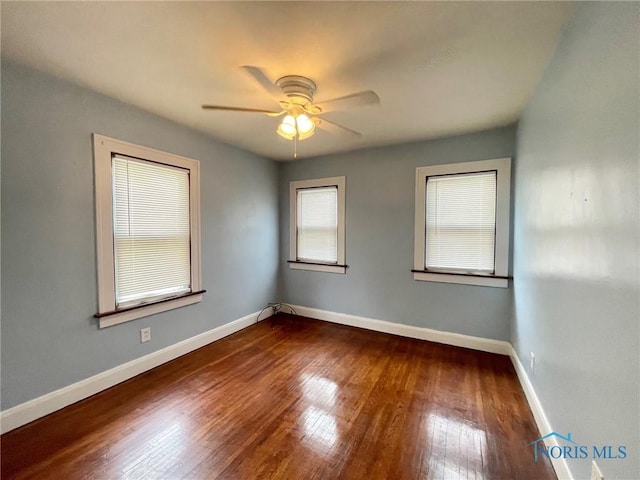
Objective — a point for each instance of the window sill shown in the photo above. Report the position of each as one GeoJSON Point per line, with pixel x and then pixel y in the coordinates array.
{"type": "Point", "coordinates": [477, 280]}
{"type": "Point", "coordinates": [109, 319]}
{"type": "Point", "coordinates": [317, 267]}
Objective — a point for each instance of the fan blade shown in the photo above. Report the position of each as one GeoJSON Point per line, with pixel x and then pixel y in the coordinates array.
{"type": "Point", "coordinates": [333, 127]}
{"type": "Point", "coordinates": [368, 97]}
{"type": "Point", "coordinates": [260, 77]}
{"type": "Point", "coordinates": [238, 109]}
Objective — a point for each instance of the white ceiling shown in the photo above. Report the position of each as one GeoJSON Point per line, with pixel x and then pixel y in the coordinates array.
{"type": "Point", "coordinates": [439, 68]}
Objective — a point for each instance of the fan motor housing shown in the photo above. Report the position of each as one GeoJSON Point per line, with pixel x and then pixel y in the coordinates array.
{"type": "Point", "coordinates": [297, 86]}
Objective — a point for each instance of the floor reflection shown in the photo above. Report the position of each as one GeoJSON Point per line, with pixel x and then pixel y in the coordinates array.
{"type": "Point", "coordinates": [458, 448]}
{"type": "Point", "coordinates": [159, 453]}
{"type": "Point", "coordinates": [319, 390]}
{"type": "Point", "coordinates": [320, 426]}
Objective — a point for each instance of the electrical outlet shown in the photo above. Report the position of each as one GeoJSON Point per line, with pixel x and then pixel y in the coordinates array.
{"type": "Point", "coordinates": [596, 474]}
{"type": "Point", "coordinates": [275, 307]}
{"type": "Point", "coordinates": [532, 362]}
{"type": "Point", "coordinates": [145, 334]}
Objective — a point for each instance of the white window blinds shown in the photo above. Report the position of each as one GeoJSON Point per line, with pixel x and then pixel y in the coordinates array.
{"type": "Point", "coordinates": [461, 222]}
{"type": "Point", "coordinates": [317, 224]}
{"type": "Point", "coordinates": [151, 230]}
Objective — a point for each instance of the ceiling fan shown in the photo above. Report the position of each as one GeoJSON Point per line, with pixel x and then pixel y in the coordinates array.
{"type": "Point", "coordinates": [295, 96]}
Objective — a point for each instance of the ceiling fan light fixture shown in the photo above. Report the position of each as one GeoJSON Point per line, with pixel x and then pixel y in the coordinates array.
{"type": "Point", "coordinates": [304, 124]}
{"type": "Point", "coordinates": [302, 136]}
{"type": "Point", "coordinates": [298, 126]}
{"type": "Point", "coordinates": [287, 128]}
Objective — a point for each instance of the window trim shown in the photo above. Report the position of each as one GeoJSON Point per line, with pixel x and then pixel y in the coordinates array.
{"type": "Point", "coordinates": [103, 149]}
{"type": "Point", "coordinates": [503, 205]}
{"type": "Point", "coordinates": [294, 264]}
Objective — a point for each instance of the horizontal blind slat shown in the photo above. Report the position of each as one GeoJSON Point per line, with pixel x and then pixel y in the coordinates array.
{"type": "Point", "coordinates": [317, 224]}
{"type": "Point", "coordinates": [460, 222]}
{"type": "Point", "coordinates": [151, 230]}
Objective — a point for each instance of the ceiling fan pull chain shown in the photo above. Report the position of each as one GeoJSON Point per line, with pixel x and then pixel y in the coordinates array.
{"type": "Point", "coordinates": [295, 146]}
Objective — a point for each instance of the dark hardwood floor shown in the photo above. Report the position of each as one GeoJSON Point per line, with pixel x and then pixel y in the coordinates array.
{"type": "Point", "coordinates": [294, 398]}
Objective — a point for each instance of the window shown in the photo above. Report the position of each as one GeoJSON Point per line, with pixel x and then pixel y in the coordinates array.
{"type": "Point", "coordinates": [462, 223]}
{"type": "Point", "coordinates": [317, 225]}
{"type": "Point", "coordinates": [147, 227]}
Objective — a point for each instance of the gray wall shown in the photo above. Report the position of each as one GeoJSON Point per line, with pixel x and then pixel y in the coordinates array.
{"type": "Point", "coordinates": [380, 205]}
{"type": "Point", "coordinates": [576, 291]}
{"type": "Point", "coordinates": [575, 300]}
{"type": "Point", "coordinates": [49, 338]}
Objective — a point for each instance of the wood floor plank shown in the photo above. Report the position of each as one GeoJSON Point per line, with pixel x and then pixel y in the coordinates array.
{"type": "Point", "coordinates": [294, 398]}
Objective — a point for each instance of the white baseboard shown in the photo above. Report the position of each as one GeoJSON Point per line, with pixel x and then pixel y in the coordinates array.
{"type": "Point", "coordinates": [559, 464]}
{"type": "Point", "coordinates": [46, 404]}
{"type": "Point", "coordinates": [458, 340]}
{"type": "Point", "coordinates": [421, 333]}
{"type": "Point", "coordinates": [39, 407]}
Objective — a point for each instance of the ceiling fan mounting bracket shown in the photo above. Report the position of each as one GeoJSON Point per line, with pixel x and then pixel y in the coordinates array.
{"type": "Point", "coordinates": [297, 86]}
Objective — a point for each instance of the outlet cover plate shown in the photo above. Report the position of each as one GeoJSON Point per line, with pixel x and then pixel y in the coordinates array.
{"type": "Point", "coordinates": [145, 334]}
